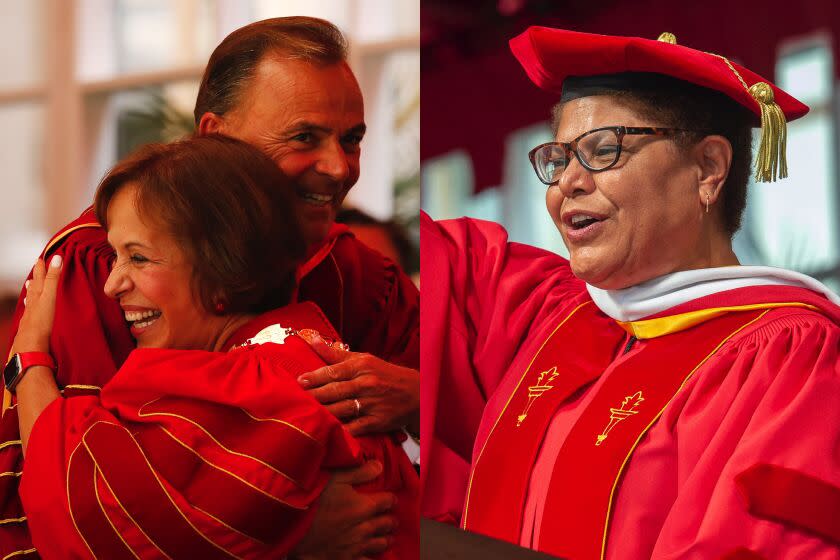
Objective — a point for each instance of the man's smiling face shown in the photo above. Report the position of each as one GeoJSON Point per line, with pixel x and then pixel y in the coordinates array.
{"type": "Point", "coordinates": [309, 118]}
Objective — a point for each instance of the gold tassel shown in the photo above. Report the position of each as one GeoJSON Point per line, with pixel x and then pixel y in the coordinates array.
{"type": "Point", "coordinates": [668, 38]}
{"type": "Point", "coordinates": [771, 151]}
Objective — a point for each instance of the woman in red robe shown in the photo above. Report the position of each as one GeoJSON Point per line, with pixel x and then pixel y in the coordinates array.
{"type": "Point", "coordinates": [648, 398]}
{"type": "Point", "coordinates": [203, 444]}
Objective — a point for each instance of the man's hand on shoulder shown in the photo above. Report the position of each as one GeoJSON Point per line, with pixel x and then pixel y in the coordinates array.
{"type": "Point", "coordinates": [368, 394]}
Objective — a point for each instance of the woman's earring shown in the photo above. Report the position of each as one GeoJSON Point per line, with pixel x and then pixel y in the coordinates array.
{"type": "Point", "coordinates": [220, 307]}
{"type": "Point", "coordinates": [707, 203]}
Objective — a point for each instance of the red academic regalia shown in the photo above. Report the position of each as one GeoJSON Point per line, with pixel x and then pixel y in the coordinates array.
{"type": "Point", "coordinates": [370, 300]}
{"type": "Point", "coordinates": [373, 304]}
{"type": "Point", "coordinates": [709, 437]}
{"type": "Point", "coordinates": [200, 454]}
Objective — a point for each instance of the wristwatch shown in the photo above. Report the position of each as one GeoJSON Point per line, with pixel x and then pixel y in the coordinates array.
{"type": "Point", "coordinates": [19, 363]}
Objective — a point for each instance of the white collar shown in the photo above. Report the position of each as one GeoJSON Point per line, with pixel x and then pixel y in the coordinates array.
{"type": "Point", "coordinates": [670, 290]}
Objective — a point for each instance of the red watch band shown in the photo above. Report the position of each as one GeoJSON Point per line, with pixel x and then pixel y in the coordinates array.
{"type": "Point", "coordinates": [20, 363]}
{"type": "Point", "coordinates": [29, 359]}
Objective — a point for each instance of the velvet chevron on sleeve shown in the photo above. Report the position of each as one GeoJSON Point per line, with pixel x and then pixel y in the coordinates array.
{"type": "Point", "coordinates": [200, 454]}
{"type": "Point", "coordinates": [373, 304]}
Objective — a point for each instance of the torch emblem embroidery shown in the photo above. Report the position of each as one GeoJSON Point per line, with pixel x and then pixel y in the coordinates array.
{"type": "Point", "coordinates": [627, 409]}
{"type": "Point", "coordinates": [543, 384]}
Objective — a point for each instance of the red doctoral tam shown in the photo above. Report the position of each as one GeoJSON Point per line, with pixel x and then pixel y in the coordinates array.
{"type": "Point", "coordinates": [550, 56]}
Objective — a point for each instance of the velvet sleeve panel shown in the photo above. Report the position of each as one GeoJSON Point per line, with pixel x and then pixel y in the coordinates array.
{"type": "Point", "coordinates": [221, 454]}
{"type": "Point", "coordinates": [768, 398]}
{"type": "Point", "coordinates": [385, 321]}
{"type": "Point", "coordinates": [482, 297]}
{"type": "Point", "coordinates": [372, 303]}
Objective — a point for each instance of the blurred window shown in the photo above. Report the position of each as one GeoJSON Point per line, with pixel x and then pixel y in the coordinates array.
{"type": "Point", "coordinates": [793, 223]}
{"type": "Point", "coordinates": [21, 44]}
{"type": "Point", "coordinates": [127, 119]}
{"type": "Point", "coordinates": [338, 12]}
{"type": "Point", "coordinates": [23, 231]}
{"type": "Point", "coordinates": [117, 37]}
{"type": "Point", "coordinates": [386, 19]}
{"type": "Point", "coordinates": [390, 164]}
{"type": "Point", "coordinates": [519, 204]}
{"type": "Point", "coordinates": [76, 98]}
{"type": "Point", "coordinates": [23, 228]}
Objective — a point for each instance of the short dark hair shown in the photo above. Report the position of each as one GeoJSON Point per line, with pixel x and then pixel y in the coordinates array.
{"type": "Point", "coordinates": [691, 107]}
{"type": "Point", "coordinates": [231, 211]}
{"type": "Point", "coordinates": [233, 63]}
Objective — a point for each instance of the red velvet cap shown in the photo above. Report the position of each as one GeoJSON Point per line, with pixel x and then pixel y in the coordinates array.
{"type": "Point", "coordinates": [549, 56]}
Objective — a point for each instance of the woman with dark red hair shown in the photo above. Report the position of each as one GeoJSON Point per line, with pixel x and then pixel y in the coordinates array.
{"type": "Point", "coordinates": [203, 445]}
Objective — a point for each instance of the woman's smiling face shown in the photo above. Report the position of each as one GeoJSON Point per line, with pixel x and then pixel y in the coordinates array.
{"type": "Point", "coordinates": [649, 219]}
{"type": "Point", "coordinates": [152, 278]}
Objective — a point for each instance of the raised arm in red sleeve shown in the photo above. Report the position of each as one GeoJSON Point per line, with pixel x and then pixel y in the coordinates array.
{"type": "Point", "coordinates": [89, 341]}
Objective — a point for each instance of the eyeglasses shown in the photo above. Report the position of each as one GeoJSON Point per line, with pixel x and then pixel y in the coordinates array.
{"type": "Point", "coordinates": [596, 150]}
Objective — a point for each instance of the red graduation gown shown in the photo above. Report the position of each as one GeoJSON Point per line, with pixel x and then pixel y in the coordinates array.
{"type": "Point", "coordinates": [373, 304]}
{"type": "Point", "coordinates": [199, 454]}
{"type": "Point", "coordinates": [721, 465]}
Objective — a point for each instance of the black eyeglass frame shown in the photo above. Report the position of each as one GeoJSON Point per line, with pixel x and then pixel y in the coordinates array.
{"type": "Point", "coordinates": [571, 148]}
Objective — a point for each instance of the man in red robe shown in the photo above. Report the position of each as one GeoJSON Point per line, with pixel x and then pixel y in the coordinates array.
{"type": "Point", "coordinates": [373, 304]}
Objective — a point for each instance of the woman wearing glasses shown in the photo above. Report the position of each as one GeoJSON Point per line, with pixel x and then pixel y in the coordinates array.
{"type": "Point", "coordinates": [648, 398]}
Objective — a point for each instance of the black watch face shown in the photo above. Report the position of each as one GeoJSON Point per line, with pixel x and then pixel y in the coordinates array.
{"type": "Point", "coordinates": [11, 371]}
